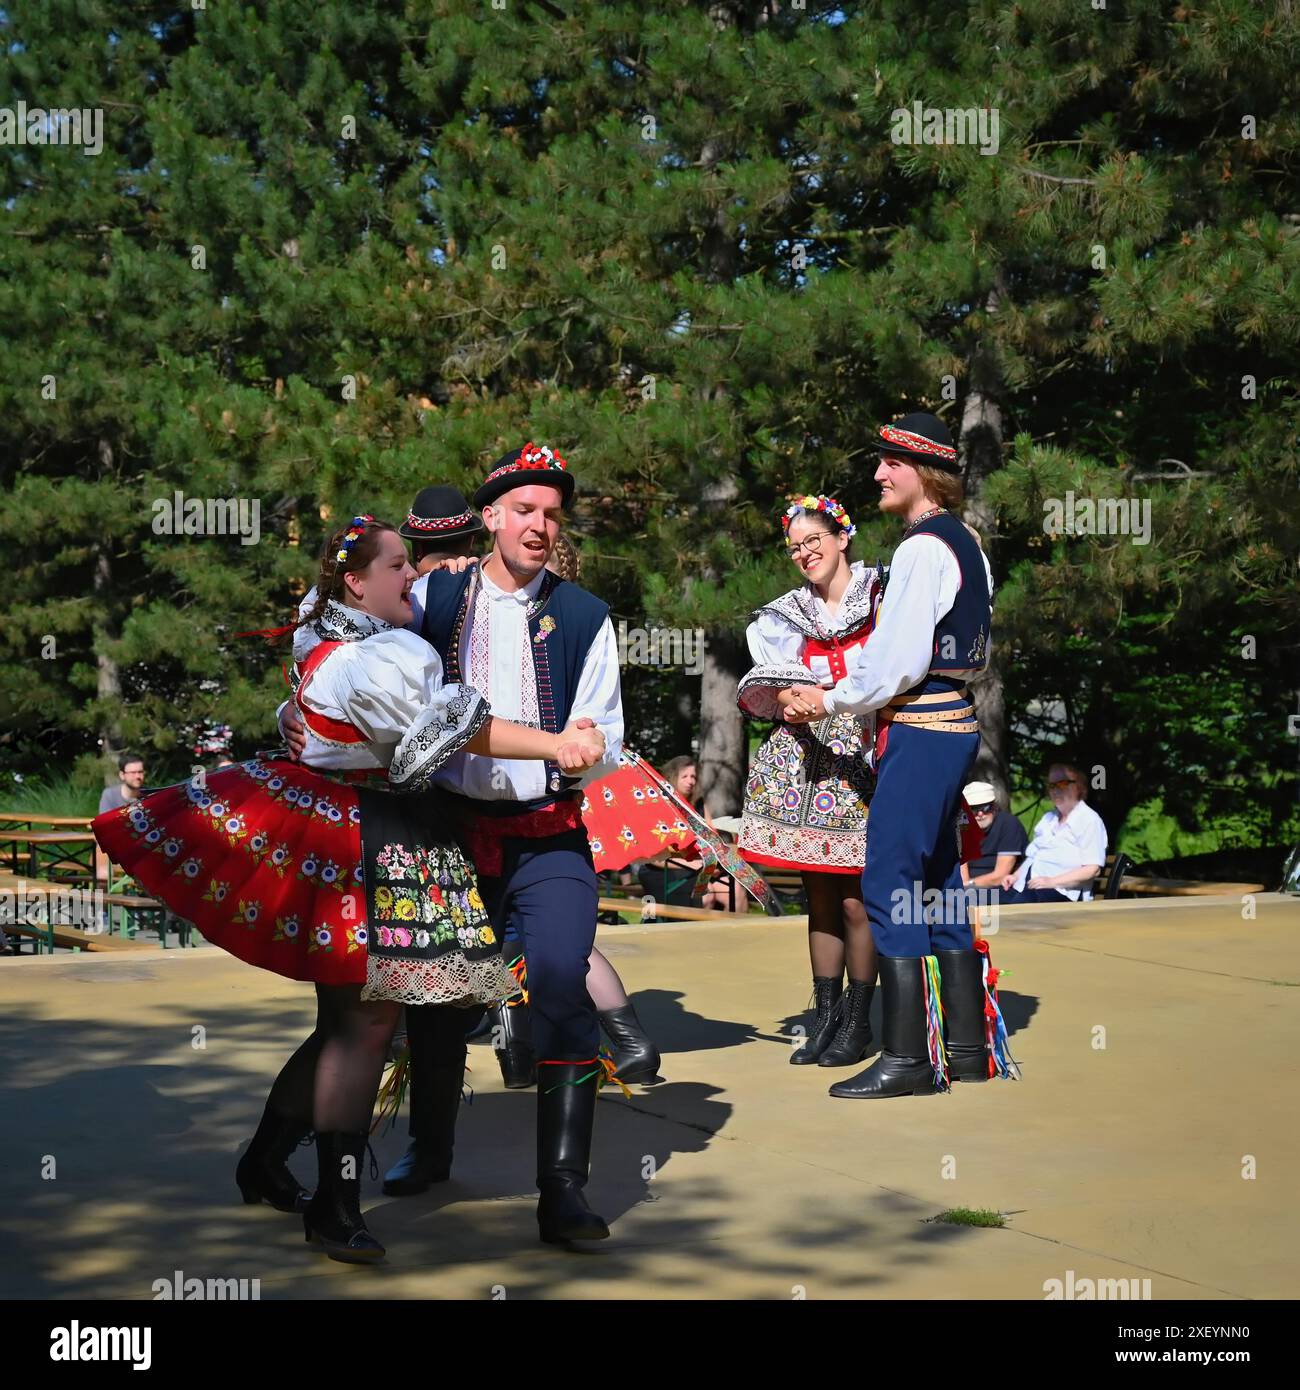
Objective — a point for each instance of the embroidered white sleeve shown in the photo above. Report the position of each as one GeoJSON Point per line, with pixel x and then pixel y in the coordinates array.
{"type": "Point", "coordinates": [441, 729]}
{"type": "Point", "coordinates": [390, 687]}
{"type": "Point", "coordinates": [773, 641]}
{"type": "Point", "coordinates": [775, 646]}
{"type": "Point", "coordinates": [923, 583]}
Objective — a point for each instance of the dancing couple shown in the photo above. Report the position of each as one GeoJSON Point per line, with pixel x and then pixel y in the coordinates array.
{"type": "Point", "coordinates": [427, 756]}
{"type": "Point", "coordinates": [888, 731]}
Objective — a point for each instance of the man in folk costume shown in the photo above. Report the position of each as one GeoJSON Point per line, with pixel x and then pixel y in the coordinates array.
{"type": "Point", "coordinates": [543, 648]}
{"type": "Point", "coordinates": [931, 637]}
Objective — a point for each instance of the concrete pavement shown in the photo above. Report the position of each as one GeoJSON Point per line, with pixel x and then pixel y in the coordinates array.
{"type": "Point", "coordinates": [1154, 1135]}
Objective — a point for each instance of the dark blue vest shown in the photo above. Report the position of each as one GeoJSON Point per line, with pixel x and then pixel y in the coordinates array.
{"type": "Point", "coordinates": [563, 622]}
{"type": "Point", "coordinates": [961, 637]}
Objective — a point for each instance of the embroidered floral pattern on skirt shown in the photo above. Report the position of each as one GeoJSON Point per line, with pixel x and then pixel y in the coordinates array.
{"type": "Point", "coordinates": [266, 860]}
{"type": "Point", "coordinates": [431, 936]}
{"type": "Point", "coordinates": [807, 797]}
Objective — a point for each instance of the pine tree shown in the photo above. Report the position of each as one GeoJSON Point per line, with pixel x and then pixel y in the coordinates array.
{"type": "Point", "coordinates": [331, 253]}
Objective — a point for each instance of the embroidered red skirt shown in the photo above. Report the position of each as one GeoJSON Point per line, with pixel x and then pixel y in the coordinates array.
{"type": "Point", "coordinates": [265, 859]}
{"type": "Point", "coordinates": [315, 879]}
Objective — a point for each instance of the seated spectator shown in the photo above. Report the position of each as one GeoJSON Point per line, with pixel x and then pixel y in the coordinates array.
{"type": "Point", "coordinates": [1068, 848]}
{"type": "Point", "coordinates": [127, 788]}
{"type": "Point", "coordinates": [130, 780]}
{"type": "Point", "coordinates": [680, 774]}
{"type": "Point", "coordinates": [670, 880]}
{"type": "Point", "coordinates": [674, 876]}
{"type": "Point", "coordinates": [1004, 839]}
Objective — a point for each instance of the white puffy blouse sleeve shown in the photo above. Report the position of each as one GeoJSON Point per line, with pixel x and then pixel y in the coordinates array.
{"type": "Point", "coordinates": [776, 647]}
{"type": "Point", "coordinates": [390, 687]}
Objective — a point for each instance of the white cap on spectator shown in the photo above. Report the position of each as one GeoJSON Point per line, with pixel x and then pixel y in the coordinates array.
{"type": "Point", "coordinates": [979, 794]}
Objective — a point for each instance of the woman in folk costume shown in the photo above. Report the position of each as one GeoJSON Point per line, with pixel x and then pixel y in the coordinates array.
{"type": "Point", "coordinates": [807, 795]}
{"type": "Point", "coordinates": [939, 1001]}
{"type": "Point", "coordinates": [318, 872]}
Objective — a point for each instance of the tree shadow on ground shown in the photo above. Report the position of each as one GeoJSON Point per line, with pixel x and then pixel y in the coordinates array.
{"type": "Point", "coordinates": [121, 1139]}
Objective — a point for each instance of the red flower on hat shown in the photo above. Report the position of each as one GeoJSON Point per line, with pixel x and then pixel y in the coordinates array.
{"type": "Point", "coordinates": [539, 456]}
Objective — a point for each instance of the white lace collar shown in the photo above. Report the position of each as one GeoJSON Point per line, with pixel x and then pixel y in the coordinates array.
{"type": "Point", "coordinates": [804, 609]}
{"type": "Point", "coordinates": [337, 623]}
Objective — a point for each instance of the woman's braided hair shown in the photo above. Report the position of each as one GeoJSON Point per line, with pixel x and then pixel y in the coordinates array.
{"type": "Point", "coordinates": [357, 551]}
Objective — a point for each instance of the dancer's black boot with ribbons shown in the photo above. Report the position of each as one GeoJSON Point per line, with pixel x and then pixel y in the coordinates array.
{"type": "Point", "coordinates": [963, 1014]}
{"type": "Point", "coordinates": [566, 1112]}
{"type": "Point", "coordinates": [905, 1066]}
{"type": "Point", "coordinates": [438, 1056]}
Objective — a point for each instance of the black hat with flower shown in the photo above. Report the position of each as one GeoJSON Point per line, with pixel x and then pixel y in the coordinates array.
{"type": "Point", "coordinates": [534, 463]}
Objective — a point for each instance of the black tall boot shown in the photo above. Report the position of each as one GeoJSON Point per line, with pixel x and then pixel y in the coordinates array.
{"type": "Point", "coordinates": [515, 1053]}
{"type": "Point", "coordinates": [903, 1067]}
{"type": "Point", "coordinates": [852, 1040]}
{"type": "Point", "coordinates": [333, 1219]}
{"type": "Point", "coordinates": [263, 1172]}
{"type": "Point", "coordinates": [437, 1076]}
{"type": "Point", "coordinates": [962, 991]}
{"type": "Point", "coordinates": [566, 1111]}
{"type": "Point", "coordinates": [636, 1058]}
{"type": "Point", "coordinates": [827, 993]}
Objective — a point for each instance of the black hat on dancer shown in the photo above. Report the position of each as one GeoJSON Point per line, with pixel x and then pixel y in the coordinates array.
{"type": "Point", "coordinates": [921, 437]}
{"type": "Point", "coordinates": [534, 463]}
{"type": "Point", "coordinates": [440, 514]}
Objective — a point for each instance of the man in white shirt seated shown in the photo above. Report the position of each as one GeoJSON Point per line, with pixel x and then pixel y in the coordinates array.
{"type": "Point", "coordinates": [1068, 848]}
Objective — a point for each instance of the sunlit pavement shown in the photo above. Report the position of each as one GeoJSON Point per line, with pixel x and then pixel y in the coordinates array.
{"type": "Point", "coordinates": [1153, 1135]}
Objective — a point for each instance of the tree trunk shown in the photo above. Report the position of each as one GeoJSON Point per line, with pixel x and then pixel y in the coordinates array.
{"type": "Point", "coordinates": [722, 763]}
{"type": "Point", "coordinates": [981, 449]}
{"type": "Point", "coordinates": [108, 683]}
{"type": "Point", "coordinates": [108, 680]}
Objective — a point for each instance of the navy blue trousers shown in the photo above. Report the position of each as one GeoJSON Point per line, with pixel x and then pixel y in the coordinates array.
{"type": "Point", "coordinates": [544, 904]}
{"type": "Point", "coordinates": [911, 884]}
{"type": "Point", "coordinates": [1008, 896]}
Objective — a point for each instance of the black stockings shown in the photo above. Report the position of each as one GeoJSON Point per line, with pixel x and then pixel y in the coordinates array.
{"type": "Point", "coordinates": [839, 934]}
{"type": "Point", "coordinates": [331, 1081]}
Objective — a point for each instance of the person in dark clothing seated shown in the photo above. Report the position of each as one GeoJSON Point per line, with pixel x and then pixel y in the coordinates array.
{"type": "Point", "coordinates": [670, 881]}
{"type": "Point", "coordinates": [1005, 840]}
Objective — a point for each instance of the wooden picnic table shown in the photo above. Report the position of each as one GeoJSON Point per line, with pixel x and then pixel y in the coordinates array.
{"type": "Point", "coordinates": [130, 908]}
{"type": "Point", "coordinates": [29, 820]}
{"type": "Point", "coordinates": [72, 842]}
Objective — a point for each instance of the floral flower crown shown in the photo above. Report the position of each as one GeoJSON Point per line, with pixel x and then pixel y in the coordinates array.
{"type": "Point", "coordinates": [829, 505]}
{"type": "Point", "coordinates": [351, 536]}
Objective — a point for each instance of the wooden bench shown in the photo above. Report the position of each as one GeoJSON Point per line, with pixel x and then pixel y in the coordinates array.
{"type": "Point", "coordinates": [29, 820]}
{"type": "Point", "coordinates": [1188, 888]}
{"type": "Point", "coordinates": [787, 884]}
{"type": "Point", "coordinates": [129, 905]}
{"type": "Point", "coordinates": [73, 938]}
{"type": "Point", "coordinates": [47, 934]}
{"type": "Point", "coordinates": [635, 907]}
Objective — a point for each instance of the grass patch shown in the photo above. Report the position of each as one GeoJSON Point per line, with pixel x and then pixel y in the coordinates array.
{"type": "Point", "coordinates": [62, 794]}
{"type": "Point", "coordinates": [971, 1216]}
